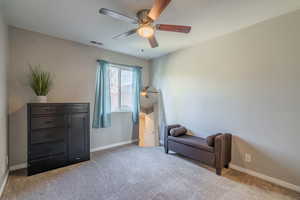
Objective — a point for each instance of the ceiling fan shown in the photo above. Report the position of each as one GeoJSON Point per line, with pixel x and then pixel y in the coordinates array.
{"type": "Point", "coordinates": [145, 21]}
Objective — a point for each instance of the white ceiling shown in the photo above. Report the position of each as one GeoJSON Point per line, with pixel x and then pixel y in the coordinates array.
{"type": "Point", "coordinates": [78, 20]}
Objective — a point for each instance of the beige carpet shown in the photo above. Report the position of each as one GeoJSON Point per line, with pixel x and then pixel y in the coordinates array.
{"type": "Point", "coordinates": [131, 172]}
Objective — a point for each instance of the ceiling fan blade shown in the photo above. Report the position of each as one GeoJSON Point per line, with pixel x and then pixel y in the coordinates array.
{"type": "Point", "coordinates": [173, 28]}
{"type": "Point", "coordinates": [153, 42]}
{"type": "Point", "coordinates": [158, 8]}
{"type": "Point", "coordinates": [117, 15]}
{"type": "Point", "coordinates": [126, 34]}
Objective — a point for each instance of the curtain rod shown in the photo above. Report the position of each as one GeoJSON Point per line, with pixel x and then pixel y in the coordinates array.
{"type": "Point", "coordinates": [121, 64]}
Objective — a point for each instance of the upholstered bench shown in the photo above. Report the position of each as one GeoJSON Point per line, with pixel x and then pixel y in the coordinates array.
{"type": "Point", "coordinates": [214, 150]}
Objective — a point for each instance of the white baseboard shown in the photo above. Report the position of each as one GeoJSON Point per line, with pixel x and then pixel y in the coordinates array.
{"type": "Point", "coordinates": [17, 167]}
{"type": "Point", "coordinates": [4, 183]}
{"type": "Point", "coordinates": [266, 178]}
{"type": "Point", "coordinates": [113, 145]}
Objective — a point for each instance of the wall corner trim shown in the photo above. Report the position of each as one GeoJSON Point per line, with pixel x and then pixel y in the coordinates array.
{"type": "Point", "coordinates": [4, 183]}
{"type": "Point", "coordinates": [113, 145]}
{"type": "Point", "coordinates": [267, 178]}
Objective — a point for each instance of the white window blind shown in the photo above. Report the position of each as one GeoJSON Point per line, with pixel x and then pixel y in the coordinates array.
{"type": "Point", "coordinates": [121, 88]}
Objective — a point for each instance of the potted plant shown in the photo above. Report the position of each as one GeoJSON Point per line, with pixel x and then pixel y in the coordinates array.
{"type": "Point", "coordinates": [40, 82]}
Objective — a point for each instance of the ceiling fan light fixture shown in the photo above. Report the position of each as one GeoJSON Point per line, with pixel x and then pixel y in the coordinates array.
{"type": "Point", "coordinates": [145, 31]}
{"type": "Point", "coordinates": [145, 19]}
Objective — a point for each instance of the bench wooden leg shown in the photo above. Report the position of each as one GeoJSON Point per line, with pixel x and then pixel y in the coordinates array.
{"type": "Point", "coordinates": [166, 150]}
{"type": "Point", "coordinates": [219, 171]}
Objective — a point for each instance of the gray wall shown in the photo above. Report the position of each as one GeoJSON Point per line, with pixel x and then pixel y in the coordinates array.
{"type": "Point", "coordinates": [74, 67]}
{"type": "Point", "coordinates": [3, 97]}
{"type": "Point", "coordinates": [246, 83]}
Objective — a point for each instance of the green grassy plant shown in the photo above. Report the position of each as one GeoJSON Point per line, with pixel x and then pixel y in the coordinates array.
{"type": "Point", "coordinates": [40, 81]}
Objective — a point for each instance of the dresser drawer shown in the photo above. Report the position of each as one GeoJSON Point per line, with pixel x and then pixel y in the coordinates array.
{"type": "Point", "coordinates": [78, 108]}
{"type": "Point", "coordinates": [47, 149]}
{"type": "Point", "coordinates": [51, 162]}
{"type": "Point", "coordinates": [47, 135]}
{"type": "Point", "coordinates": [48, 122]}
{"type": "Point", "coordinates": [47, 109]}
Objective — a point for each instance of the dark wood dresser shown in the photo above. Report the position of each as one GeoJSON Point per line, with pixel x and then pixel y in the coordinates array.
{"type": "Point", "coordinates": [58, 135]}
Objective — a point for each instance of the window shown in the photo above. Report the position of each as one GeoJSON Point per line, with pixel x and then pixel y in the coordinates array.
{"type": "Point", "coordinates": [121, 88]}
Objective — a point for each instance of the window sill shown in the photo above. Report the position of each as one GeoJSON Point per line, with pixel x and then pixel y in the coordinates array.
{"type": "Point", "coordinates": [121, 112]}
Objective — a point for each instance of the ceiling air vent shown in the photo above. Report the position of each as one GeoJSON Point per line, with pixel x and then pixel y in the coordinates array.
{"type": "Point", "coordinates": [96, 43]}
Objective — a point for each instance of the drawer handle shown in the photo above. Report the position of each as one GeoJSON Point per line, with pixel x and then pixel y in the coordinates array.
{"type": "Point", "coordinates": [48, 122]}
{"type": "Point", "coordinates": [78, 158]}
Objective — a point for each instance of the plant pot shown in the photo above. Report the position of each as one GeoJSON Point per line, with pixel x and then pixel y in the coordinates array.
{"type": "Point", "coordinates": [42, 99]}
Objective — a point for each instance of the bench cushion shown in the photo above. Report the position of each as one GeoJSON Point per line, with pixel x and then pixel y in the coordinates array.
{"type": "Point", "coordinates": [193, 141]}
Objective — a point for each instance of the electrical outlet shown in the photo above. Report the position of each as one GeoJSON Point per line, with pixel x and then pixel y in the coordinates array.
{"type": "Point", "coordinates": [248, 157]}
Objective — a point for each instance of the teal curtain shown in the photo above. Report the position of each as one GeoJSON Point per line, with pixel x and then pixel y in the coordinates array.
{"type": "Point", "coordinates": [102, 108]}
{"type": "Point", "coordinates": [136, 94]}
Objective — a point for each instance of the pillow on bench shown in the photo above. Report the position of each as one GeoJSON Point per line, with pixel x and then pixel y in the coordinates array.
{"type": "Point", "coordinates": [175, 132]}
{"type": "Point", "coordinates": [210, 140]}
